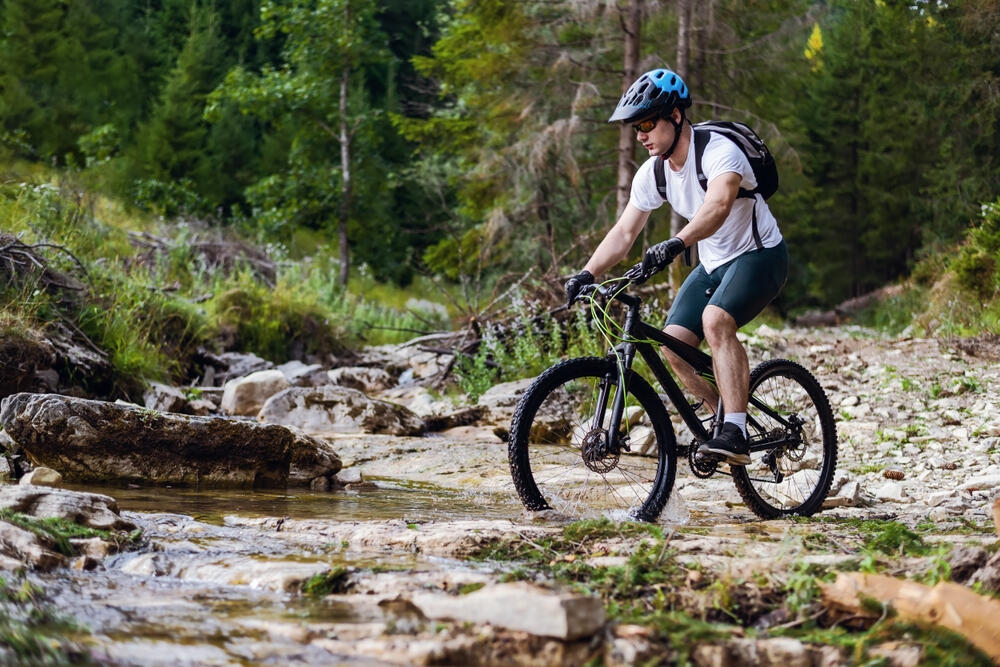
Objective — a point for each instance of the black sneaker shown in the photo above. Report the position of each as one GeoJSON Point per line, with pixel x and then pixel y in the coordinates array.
{"type": "Point", "coordinates": [730, 445]}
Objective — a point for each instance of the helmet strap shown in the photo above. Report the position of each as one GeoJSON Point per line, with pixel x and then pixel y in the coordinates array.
{"type": "Point", "coordinates": [678, 127]}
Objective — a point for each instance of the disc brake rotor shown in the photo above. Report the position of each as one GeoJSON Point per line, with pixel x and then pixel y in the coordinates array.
{"type": "Point", "coordinates": [596, 454]}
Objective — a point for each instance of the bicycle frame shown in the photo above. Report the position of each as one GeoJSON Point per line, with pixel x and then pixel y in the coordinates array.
{"type": "Point", "coordinates": [636, 334]}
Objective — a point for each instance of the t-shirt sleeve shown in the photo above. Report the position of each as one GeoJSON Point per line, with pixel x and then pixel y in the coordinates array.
{"type": "Point", "coordinates": [722, 156]}
{"type": "Point", "coordinates": [644, 195]}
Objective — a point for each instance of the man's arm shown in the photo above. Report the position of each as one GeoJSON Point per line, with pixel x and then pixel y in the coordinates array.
{"type": "Point", "coordinates": [714, 210]}
{"type": "Point", "coordinates": [618, 241]}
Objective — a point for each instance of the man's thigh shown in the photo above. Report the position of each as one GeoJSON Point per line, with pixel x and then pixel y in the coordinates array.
{"type": "Point", "coordinates": [689, 304]}
{"type": "Point", "coordinates": [752, 282]}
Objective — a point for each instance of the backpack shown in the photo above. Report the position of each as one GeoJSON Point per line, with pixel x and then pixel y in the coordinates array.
{"type": "Point", "coordinates": [761, 162]}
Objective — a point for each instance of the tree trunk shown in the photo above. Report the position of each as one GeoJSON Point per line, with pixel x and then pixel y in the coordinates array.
{"type": "Point", "coordinates": [345, 181]}
{"type": "Point", "coordinates": [631, 24]}
{"type": "Point", "coordinates": [677, 271]}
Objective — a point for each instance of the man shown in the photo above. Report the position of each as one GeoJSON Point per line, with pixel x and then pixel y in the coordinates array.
{"type": "Point", "coordinates": [744, 261]}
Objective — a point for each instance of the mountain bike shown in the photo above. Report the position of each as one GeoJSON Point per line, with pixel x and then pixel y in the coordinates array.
{"type": "Point", "coordinates": [591, 436]}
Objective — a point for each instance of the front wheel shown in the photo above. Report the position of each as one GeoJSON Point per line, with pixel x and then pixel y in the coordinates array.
{"type": "Point", "coordinates": [793, 439]}
{"type": "Point", "coordinates": [559, 450]}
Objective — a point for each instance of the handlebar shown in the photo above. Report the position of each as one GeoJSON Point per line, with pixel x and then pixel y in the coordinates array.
{"type": "Point", "coordinates": [610, 289]}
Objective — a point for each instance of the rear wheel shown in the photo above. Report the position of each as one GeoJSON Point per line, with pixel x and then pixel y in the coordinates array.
{"type": "Point", "coordinates": [788, 408]}
{"type": "Point", "coordinates": [559, 454]}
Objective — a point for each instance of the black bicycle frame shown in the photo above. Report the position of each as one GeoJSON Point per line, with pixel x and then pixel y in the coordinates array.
{"type": "Point", "coordinates": [636, 333]}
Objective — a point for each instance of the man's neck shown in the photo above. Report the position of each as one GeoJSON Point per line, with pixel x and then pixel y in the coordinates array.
{"type": "Point", "coordinates": [679, 156]}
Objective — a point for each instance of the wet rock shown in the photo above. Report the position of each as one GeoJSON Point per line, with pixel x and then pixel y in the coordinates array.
{"type": "Point", "coordinates": [338, 409]}
{"type": "Point", "coordinates": [246, 396]}
{"type": "Point", "coordinates": [311, 459]}
{"type": "Point", "coordinates": [95, 441]}
{"type": "Point", "coordinates": [20, 547]}
{"type": "Point", "coordinates": [364, 379]}
{"type": "Point", "coordinates": [164, 398]}
{"type": "Point", "coordinates": [348, 476]}
{"type": "Point", "coordinates": [520, 606]}
{"type": "Point", "coordinates": [273, 575]}
{"type": "Point", "coordinates": [93, 547]}
{"type": "Point", "coordinates": [6, 470]}
{"type": "Point", "coordinates": [87, 509]}
{"type": "Point", "coordinates": [450, 539]}
{"type": "Point", "coordinates": [42, 476]}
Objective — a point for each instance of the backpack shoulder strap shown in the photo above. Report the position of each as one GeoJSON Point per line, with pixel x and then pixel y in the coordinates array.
{"type": "Point", "coordinates": [661, 177]}
{"type": "Point", "coordinates": [700, 142]}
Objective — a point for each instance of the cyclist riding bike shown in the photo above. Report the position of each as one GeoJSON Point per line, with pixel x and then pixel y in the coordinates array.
{"type": "Point", "coordinates": [744, 261]}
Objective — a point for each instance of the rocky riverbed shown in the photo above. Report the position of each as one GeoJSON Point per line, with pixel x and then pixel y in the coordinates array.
{"type": "Point", "coordinates": [421, 554]}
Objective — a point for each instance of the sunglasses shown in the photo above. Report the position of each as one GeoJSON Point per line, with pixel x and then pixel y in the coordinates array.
{"type": "Point", "coordinates": [646, 126]}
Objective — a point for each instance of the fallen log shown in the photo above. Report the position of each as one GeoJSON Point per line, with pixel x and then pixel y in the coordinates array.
{"type": "Point", "coordinates": [949, 605]}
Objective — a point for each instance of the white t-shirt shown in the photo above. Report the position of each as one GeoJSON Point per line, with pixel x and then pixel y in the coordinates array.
{"type": "Point", "coordinates": [685, 195]}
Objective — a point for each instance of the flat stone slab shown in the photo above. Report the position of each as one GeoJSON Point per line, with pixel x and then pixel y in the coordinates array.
{"type": "Point", "coordinates": [520, 606]}
{"type": "Point", "coordinates": [101, 442]}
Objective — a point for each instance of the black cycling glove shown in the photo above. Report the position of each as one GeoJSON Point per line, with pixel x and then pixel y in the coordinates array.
{"type": "Point", "coordinates": [659, 256]}
{"type": "Point", "coordinates": [577, 283]}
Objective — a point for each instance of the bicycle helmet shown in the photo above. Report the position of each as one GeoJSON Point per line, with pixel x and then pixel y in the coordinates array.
{"type": "Point", "coordinates": [657, 91]}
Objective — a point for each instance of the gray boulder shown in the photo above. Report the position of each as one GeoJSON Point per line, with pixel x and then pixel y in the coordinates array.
{"type": "Point", "coordinates": [245, 396]}
{"type": "Point", "coordinates": [96, 441]}
{"type": "Point", "coordinates": [87, 509]}
{"type": "Point", "coordinates": [338, 409]}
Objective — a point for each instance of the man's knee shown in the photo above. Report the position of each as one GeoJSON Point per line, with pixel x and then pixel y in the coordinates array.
{"type": "Point", "coordinates": [718, 324]}
{"type": "Point", "coordinates": [683, 334]}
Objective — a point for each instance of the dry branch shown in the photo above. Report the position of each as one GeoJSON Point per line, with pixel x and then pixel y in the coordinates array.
{"type": "Point", "coordinates": [948, 605]}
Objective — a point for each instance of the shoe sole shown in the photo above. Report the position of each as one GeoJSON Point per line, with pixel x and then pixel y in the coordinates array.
{"type": "Point", "coordinates": [726, 455]}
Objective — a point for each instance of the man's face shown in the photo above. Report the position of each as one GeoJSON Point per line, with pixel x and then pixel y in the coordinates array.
{"type": "Point", "coordinates": [656, 139]}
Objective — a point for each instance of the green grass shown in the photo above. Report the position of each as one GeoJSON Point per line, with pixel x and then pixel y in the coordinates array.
{"type": "Point", "coordinates": [320, 585]}
{"type": "Point", "coordinates": [60, 531]}
{"type": "Point", "coordinates": [150, 311]}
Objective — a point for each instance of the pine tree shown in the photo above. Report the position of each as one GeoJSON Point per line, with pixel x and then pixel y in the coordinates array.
{"type": "Point", "coordinates": [173, 143]}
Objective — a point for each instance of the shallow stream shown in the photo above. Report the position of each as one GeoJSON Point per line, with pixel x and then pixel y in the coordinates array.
{"type": "Point", "coordinates": [201, 592]}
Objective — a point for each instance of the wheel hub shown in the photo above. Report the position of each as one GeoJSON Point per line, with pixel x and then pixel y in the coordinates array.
{"type": "Point", "coordinates": [596, 454]}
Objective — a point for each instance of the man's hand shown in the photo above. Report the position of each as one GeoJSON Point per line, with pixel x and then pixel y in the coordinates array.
{"type": "Point", "coordinates": [577, 283]}
{"type": "Point", "coordinates": [658, 256]}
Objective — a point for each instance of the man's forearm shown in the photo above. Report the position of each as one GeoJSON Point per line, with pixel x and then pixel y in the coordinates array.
{"type": "Point", "coordinates": [616, 244]}
{"type": "Point", "coordinates": [611, 250]}
{"type": "Point", "coordinates": [706, 222]}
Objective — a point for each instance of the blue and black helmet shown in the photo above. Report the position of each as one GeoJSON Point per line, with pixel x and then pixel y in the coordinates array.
{"type": "Point", "coordinates": [657, 91]}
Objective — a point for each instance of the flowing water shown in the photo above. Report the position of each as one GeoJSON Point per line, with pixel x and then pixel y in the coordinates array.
{"type": "Point", "coordinates": [204, 593]}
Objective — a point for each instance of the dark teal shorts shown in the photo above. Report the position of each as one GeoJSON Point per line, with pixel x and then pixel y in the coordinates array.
{"type": "Point", "coordinates": [742, 287]}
